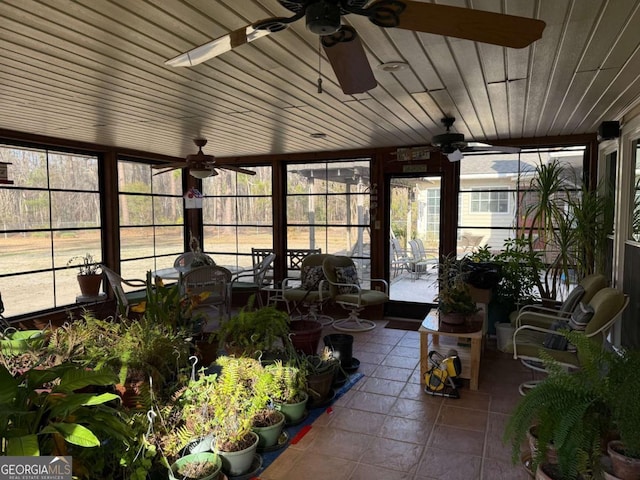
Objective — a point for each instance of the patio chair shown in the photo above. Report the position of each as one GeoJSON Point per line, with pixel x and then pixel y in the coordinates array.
{"type": "Point", "coordinates": [594, 320]}
{"type": "Point", "coordinates": [418, 261]}
{"type": "Point", "coordinates": [125, 301]}
{"type": "Point", "coordinates": [400, 259]}
{"type": "Point", "coordinates": [253, 280]}
{"type": "Point", "coordinates": [544, 316]}
{"type": "Point", "coordinates": [216, 281]}
{"type": "Point", "coordinates": [310, 290]}
{"type": "Point", "coordinates": [345, 290]}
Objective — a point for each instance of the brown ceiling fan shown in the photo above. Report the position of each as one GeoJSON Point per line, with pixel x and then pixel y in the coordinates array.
{"type": "Point", "coordinates": [200, 165]}
{"type": "Point", "coordinates": [342, 44]}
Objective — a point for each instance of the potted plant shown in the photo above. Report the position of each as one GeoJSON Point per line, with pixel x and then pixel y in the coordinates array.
{"type": "Point", "coordinates": [224, 406]}
{"type": "Point", "coordinates": [518, 267]}
{"type": "Point", "coordinates": [136, 350]}
{"type": "Point", "coordinates": [289, 392]}
{"type": "Point", "coordinates": [197, 466]}
{"type": "Point", "coordinates": [89, 274]}
{"type": "Point", "coordinates": [571, 412]}
{"type": "Point", "coordinates": [567, 224]}
{"type": "Point", "coordinates": [261, 330]}
{"type": "Point", "coordinates": [319, 371]}
{"type": "Point", "coordinates": [43, 412]}
{"type": "Point", "coordinates": [624, 388]}
{"type": "Point", "coordinates": [455, 303]}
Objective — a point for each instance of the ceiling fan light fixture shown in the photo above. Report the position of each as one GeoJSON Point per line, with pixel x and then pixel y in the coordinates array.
{"type": "Point", "coordinates": [323, 18]}
{"type": "Point", "coordinates": [204, 173]}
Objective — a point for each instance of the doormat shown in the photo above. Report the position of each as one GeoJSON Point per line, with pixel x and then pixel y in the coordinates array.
{"type": "Point", "coordinates": [412, 325]}
{"type": "Point", "coordinates": [296, 432]}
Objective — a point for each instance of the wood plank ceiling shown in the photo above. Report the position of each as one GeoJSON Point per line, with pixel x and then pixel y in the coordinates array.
{"type": "Point", "coordinates": [93, 71]}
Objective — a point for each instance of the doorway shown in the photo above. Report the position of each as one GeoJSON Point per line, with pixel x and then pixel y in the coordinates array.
{"type": "Point", "coordinates": [414, 243]}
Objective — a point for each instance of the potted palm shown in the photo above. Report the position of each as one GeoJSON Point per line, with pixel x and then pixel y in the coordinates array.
{"type": "Point", "coordinates": [89, 274]}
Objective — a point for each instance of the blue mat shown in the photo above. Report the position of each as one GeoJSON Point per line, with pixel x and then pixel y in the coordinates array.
{"type": "Point", "coordinates": [269, 457]}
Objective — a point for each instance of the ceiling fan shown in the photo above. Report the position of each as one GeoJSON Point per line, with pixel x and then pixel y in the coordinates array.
{"type": "Point", "coordinates": [451, 144]}
{"type": "Point", "coordinates": [342, 44]}
{"type": "Point", "coordinates": [200, 165]}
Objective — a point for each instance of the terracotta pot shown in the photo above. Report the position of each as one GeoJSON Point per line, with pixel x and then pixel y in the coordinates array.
{"type": "Point", "coordinates": [90, 284]}
{"type": "Point", "coordinates": [625, 468]}
{"type": "Point", "coordinates": [306, 335]}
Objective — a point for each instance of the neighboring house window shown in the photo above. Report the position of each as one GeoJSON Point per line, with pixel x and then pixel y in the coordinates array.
{"type": "Point", "coordinates": [49, 214]}
{"type": "Point", "coordinates": [151, 218]}
{"type": "Point", "coordinates": [489, 202]}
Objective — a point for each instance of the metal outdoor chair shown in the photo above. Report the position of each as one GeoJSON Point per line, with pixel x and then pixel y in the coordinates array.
{"type": "Point", "coordinates": [345, 290]}
{"type": "Point", "coordinates": [125, 301]}
{"type": "Point", "coordinates": [603, 310]}
{"type": "Point", "coordinates": [214, 280]}
{"type": "Point", "coordinates": [310, 290]}
{"type": "Point", "coordinates": [252, 281]}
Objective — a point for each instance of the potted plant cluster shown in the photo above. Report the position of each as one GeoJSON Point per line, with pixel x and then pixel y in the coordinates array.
{"type": "Point", "coordinates": [576, 414]}
{"type": "Point", "coordinates": [89, 274]}
{"type": "Point", "coordinates": [518, 268]}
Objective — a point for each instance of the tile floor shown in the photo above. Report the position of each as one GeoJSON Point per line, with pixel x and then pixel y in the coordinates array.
{"type": "Point", "coordinates": [385, 427]}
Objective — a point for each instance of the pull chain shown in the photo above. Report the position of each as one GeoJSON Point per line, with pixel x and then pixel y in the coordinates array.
{"type": "Point", "coordinates": [319, 66]}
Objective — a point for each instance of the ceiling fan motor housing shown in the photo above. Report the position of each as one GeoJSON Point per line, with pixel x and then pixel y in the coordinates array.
{"type": "Point", "coordinates": [449, 142]}
{"type": "Point", "coordinates": [323, 17]}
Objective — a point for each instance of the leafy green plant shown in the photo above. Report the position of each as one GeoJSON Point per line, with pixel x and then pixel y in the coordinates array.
{"type": "Point", "coordinates": [453, 290]}
{"type": "Point", "coordinates": [42, 411]}
{"type": "Point", "coordinates": [289, 384]}
{"type": "Point", "coordinates": [85, 264]}
{"type": "Point", "coordinates": [571, 410]}
{"type": "Point", "coordinates": [225, 405]}
{"type": "Point", "coordinates": [261, 330]}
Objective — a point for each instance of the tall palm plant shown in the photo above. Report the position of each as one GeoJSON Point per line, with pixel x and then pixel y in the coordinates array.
{"type": "Point", "coordinates": [569, 222]}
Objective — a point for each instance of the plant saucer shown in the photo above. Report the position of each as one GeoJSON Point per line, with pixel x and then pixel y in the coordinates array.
{"type": "Point", "coordinates": [283, 441]}
{"type": "Point", "coordinates": [355, 364]}
{"type": "Point", "coordinates": [323, 402]}
{"type": "Point", "coordinates": [302, 419]}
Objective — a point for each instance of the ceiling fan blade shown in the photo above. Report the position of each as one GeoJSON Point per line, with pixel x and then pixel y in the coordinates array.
{"type": "Point", "coordinates": [217, 47]}
{"type": "Point", "coordinates": [348, 60]}
{"type": "Point", "coordinates": [164, 169]}
{"type": "Point", "coordinates": [235, 169]}
{"type": "Point", "coordinates": [477, 25]}
{"type": "Point", "coordinates": [480, 147]}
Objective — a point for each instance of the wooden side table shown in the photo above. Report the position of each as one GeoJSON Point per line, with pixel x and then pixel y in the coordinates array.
{"type": "Point", "coordinates": [470, 356]}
